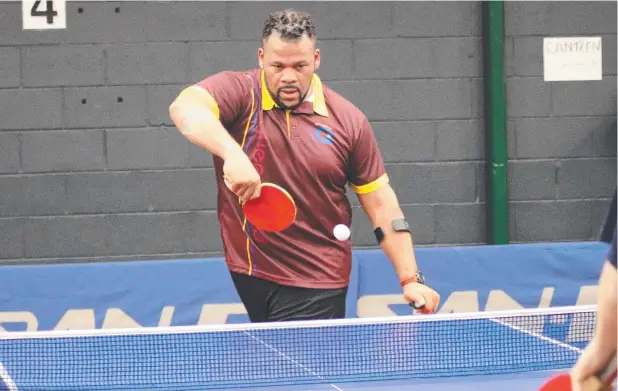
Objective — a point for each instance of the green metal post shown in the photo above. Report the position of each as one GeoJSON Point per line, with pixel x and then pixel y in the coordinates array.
{"type": "Point", "coordinates": [495, 122]}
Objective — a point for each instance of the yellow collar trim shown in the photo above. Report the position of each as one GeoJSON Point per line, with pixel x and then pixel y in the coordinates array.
{"type": "Point", "coordinates": [319, 103]}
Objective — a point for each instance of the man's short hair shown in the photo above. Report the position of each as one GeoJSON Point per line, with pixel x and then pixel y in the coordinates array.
{"type": "Point", "coordinates": [290, 24]}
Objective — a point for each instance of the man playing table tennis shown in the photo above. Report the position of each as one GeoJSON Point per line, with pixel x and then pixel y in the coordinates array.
{"type": "Point", "coordinates": [281, 124]}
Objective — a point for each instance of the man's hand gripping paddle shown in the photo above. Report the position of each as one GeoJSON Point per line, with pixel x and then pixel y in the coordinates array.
{"type": "Point", "coordinates": [600, 382]}
{"type": "Point", "coordinates": [273, 211]}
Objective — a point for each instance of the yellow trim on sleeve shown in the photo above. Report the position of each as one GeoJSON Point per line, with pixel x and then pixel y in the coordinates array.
{"type": "Point", "coordinates": [208, 99]}
{"type": "Point", "coordinates": [371, 186]}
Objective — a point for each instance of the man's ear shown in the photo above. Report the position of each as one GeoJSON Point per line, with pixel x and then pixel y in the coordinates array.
{"type": "Point", "coordinates": [261, 57]}
{"type": "Point", "coordinates": [317, 58]}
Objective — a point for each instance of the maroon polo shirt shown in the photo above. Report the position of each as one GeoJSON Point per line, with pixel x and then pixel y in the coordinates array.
{"type": "Point", "coordinates": [313, 152]}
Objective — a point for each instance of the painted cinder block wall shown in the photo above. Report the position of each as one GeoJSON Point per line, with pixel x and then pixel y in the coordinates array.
{"type": "Point", "coordinates": [91, 167]}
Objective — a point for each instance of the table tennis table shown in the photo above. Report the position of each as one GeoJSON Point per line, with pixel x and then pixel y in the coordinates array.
{"type": "Point", "coordinates": [505, 350]}
{"type": "Point", "coordinates": [530, 381]}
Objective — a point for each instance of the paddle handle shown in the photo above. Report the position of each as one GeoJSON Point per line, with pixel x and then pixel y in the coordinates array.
{"type": "Point", "coordinates": [418, 305]}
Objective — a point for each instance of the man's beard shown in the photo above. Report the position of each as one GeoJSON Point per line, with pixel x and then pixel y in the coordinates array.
{"type": "Point", "coordinates": [277, 97]}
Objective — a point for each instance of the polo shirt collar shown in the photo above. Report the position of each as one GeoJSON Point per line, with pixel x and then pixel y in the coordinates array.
{"type": "Point", "coordinates": [319, 103]}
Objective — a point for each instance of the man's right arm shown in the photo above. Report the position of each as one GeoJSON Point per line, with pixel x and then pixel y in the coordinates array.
{"type": "Point", "coordinates": [196, 115]}
{"type": "Point", "coordinates": [200, 112]}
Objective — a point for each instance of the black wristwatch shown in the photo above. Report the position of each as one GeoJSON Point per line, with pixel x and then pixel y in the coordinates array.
{"type": "Point", "coordinates": [418, 277]}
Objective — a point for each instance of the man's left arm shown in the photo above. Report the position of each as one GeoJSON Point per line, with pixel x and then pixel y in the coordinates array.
{"type": "Point", "coordinates": [368, 179]}
{"type": "Point", "coordinates": [382, 208]}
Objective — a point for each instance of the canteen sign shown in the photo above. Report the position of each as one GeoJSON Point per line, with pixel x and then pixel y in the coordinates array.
{"type": "Point", "coordinates": [572, 58]}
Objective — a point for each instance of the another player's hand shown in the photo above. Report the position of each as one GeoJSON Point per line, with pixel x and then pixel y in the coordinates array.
{"type": "Point", "coordinates": [587, 365]}
{"type": "Point", "coordinates": [241, 177]}
{"type": "Point", "coordinates": [416, 292]}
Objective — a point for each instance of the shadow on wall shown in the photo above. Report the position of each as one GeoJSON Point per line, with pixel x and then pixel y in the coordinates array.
{"type": "Point", "coordinates": [611, 138]}
{"type": "Point", "coordinates": [609, 223]}
{"type": "Point", "coordinates": [602, 139]}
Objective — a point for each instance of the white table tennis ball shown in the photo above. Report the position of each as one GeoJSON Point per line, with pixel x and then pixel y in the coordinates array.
{"type": "Point", "coordinates": [341, 232]}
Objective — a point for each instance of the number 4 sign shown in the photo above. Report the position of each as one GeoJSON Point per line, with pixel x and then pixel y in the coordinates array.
{"type": "Point", "coordinates": [44, 14]}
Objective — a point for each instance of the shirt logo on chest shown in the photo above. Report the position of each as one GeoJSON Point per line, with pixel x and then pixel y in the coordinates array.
{"type": "Point", "coordinates": [324, 134]}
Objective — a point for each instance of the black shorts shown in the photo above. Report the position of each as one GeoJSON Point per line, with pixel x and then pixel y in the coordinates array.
{"type": "Point", "coordinates": [266, 301]}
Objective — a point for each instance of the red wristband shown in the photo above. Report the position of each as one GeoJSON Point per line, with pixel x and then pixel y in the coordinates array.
{"type": "Point", "coordinates": [409, 280]}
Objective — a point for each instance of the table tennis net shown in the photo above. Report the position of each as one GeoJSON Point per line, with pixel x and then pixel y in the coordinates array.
{"type": "Point", "coordinates": [216, 357]}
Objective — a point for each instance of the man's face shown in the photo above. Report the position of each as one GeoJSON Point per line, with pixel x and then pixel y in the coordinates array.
{"type": "Point", "coordinates": [288, 68]}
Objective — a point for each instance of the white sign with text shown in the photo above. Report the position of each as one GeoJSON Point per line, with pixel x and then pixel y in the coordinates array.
{"type": "Point", "coordinates": [572, 58]}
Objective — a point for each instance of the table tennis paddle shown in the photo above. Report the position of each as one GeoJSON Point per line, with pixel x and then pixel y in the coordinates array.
{"type": "Point", "coordinates": [600, 382]}
{"type": "Point", "coordinates": [273, 211]}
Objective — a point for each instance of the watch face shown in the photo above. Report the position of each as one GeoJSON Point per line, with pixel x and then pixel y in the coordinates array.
{"type": "Point", "coordinates": [420, 277]}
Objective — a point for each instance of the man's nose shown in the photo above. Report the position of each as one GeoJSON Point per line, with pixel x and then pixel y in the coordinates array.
{"type": "Point", "coordinates": [288, 77]}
